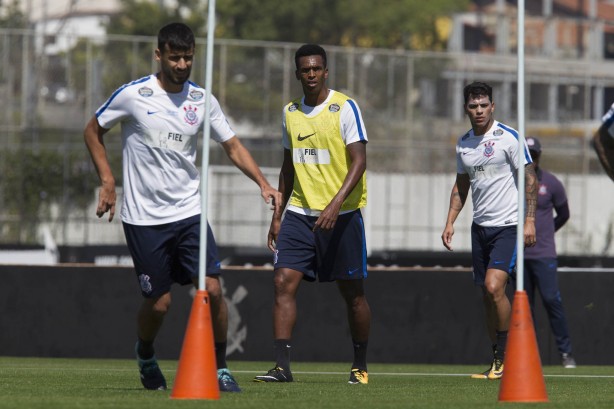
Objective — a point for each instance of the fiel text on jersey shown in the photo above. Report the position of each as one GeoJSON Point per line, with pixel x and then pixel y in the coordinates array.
{"type": "Point", "coordinates": [175, 137]}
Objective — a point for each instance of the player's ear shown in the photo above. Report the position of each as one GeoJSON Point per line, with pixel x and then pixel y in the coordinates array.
{"type": "Point", "coordinates": [157, 54]}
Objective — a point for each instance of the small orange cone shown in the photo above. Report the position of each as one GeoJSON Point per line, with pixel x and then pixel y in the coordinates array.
{"type": "Point", "coordinates": [523, 380]}
{"type": "Point", "coordinates": [197, 372]}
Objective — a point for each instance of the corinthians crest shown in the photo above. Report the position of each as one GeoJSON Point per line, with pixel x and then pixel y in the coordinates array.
{"type": "Point", "coordinates": [190, 114]}
{"type": "Point", "coordinates": [489, 149]}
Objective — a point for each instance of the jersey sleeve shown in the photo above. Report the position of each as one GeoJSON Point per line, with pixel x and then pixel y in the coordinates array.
{"type": "Point", "coordinates": [460, 168]}
{"type": "Point", "coordinates": [116, 109]}
{"type": "Point", "coordinates": [219, 124]}
{"type": "Point", "coordinates": [352, 125]}
{"type": "Point", "coordinates": [513, 149]}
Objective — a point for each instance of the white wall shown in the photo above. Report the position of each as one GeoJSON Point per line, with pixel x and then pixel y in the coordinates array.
{"type": "Point", "coordinates": [404, 212]}
{"type": "Point", "coordinates": [408, 212]}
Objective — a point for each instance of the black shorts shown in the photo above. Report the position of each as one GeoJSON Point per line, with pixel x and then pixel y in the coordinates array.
{"type": "Point", "coordinates": [338, 254]}
{"type": "Point", "coordinates": [493, 247]}
{"type": "Point", "coordinates": [168, 253]}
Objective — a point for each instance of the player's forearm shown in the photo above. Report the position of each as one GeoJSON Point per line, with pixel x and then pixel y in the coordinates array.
{"type": "Point", "coordinates": [453, 213]}
{"type": "Point", "coordinates": [530, 192]}
{"type": "Point", "coordinates": [99, 157]}
{"type": "Point", "coordinates": [458, 197]}
{"type": "Point", "coordinates": [245, 162]}
{"type": "Point", "coordinates": [285, 186]}
{"type": "Point", "coordinates": [98, 153]}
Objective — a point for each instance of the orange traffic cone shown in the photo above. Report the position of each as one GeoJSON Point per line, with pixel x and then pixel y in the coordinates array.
{"type": "Point", "coordinates": [197, 372]}
{"type": "Point", "coordinates": [523, 380]}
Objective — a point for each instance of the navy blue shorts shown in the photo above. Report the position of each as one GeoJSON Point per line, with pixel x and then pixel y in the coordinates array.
{"type": "Point", "coordinates": [168, 253]}
{"type": "Point", "coordinates": [493, 247]}
{"type": "Point", "coordinates": [337, 254]}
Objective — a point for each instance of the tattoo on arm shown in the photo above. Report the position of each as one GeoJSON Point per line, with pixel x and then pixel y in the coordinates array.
{"type": "Point", "coordinates": [530, 190]}
{"type": "Point", "coordinates": [457, 201]}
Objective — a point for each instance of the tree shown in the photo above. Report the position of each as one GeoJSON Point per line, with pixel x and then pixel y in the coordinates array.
{"type": "Point", "coordinates": [31, 182]}
{"type": "Point", "coordinates": [13, 18]}
{"type": "Point", "coordinates": [407, 24]}
{"type": "Point", "coordinates": [144, 18]}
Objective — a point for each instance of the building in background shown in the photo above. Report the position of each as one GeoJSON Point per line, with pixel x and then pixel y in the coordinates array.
{"type": "Point", "coordinates": [580, 32]}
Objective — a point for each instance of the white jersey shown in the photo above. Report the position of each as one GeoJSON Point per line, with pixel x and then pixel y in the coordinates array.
{"type": "Point", "coordinates": [491, 161]}
{"type": "Point", "coordinates": [159, 138]}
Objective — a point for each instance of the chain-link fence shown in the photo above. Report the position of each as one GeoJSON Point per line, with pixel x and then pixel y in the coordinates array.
{"type": "Point", "coordinates": [411, 103]}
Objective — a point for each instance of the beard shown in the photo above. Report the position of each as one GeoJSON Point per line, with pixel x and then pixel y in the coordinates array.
{"type": "Point", "coordinates": [176, 78]}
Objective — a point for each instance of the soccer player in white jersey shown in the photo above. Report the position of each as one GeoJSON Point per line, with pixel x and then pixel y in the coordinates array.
{"type": "Point", "coordinates": [322, 235]}
{"type": "Point", "coordinates": [487, 163]}
{"type": "Point", "coordinates": [161, 116]}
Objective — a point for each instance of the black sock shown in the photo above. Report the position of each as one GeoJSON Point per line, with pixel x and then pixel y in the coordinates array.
{"type": "Point", "coordinates": [501, 344]}
{"type": "Point", "coordinates": [360, 355]}
{"type": "Point", "coordinates": [282, 353]}
{"type": "Point", "coordinates": [145, 349]}
{"type": "Point", "coordinates": [220, 355]}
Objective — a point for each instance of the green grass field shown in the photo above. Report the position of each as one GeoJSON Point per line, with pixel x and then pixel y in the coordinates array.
{"type": "Point", "coordinates": [86, 383]}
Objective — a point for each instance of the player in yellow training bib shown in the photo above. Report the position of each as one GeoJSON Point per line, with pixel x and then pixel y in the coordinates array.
{"type": "Point", "coordinates": [323, 184]}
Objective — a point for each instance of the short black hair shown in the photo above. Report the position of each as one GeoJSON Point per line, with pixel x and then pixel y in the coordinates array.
{"type": "Point", "coordinates": [178, 36]}
{"type": "Point", "coordinates": [477, 88]}
{"type": "Point", "coordinates": [307, 50]}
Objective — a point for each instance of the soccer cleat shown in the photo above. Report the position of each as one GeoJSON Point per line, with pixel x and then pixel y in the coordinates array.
{"type": "Point", "coordinates": [358, 376]}
{"type": "Point", "coordinates": [151, 375]}
{"type": "Point", "coordinates": [226, 381]}
{"type": "Point", "coordinates": [494, 372]}
{"type": "Point", "coordinates": [568, 361]}
{"type": "Point", "coordinates": [276, 374]}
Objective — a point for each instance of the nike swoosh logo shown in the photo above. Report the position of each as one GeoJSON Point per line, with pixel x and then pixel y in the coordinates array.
{"type": "Point", "coordinates": [151, 112]}
{"type": "Point", "coordinates": [498, 262]}
{"type": "Point", "coordinates": [302, 138]}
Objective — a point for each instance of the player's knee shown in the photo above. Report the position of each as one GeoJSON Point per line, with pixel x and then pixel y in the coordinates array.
{"type": "Point", "coordinates": [161, 305]}
{"type": "Point", "coordinates": [492, 291]}
{"type": "Point", "coordinates": [284, 283]}
{"type": "Point", "coordinates": [214, 289]}
{"type": "Point", "coordinates": [280, 283]}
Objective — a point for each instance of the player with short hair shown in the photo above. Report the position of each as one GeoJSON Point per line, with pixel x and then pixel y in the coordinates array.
{"type": "Point", "coordinates": [161, 116]}
{"type": "Point", "coordinates": [540, 261]}
{"type": "Point", "coordinates": [323, 183]}
{"type": "Point", "coordinates": [487, 163]}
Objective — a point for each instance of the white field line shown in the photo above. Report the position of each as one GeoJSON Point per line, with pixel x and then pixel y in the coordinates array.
{"type": "Point", "coordinates": [426, 374]}
{"type": "Point", "coordinates": [422, 374]}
